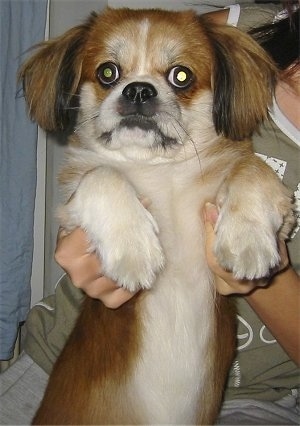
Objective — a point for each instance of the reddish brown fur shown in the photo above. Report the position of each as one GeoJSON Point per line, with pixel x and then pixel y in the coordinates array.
{"type": "Point", "coordinates": [106, 344]}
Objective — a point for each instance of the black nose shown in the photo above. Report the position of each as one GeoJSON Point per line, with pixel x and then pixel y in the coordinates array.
{"type": "Point", "coordinates": [139, 92]}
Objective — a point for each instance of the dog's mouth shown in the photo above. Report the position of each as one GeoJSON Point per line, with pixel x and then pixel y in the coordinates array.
{"type": "Point", "coordinates": [142, 124]}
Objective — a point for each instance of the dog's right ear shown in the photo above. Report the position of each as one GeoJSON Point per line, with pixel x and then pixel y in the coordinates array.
{"type": "Point", "coordinates": [243, 82]}
{"type": "Point", "coordinates": [51, 79]}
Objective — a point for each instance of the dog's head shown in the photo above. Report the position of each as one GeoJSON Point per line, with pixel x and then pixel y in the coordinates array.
{"type": "Point", "coordinates": [149, 77]}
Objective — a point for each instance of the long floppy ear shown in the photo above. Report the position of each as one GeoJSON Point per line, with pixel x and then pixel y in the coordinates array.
{"type": "Point", "coordinates": [243, 81]}
{"type": "Point", "coordinates": [51, 78]}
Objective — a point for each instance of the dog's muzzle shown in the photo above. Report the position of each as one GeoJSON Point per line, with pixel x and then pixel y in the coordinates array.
{"type": "Point", "coordinates": [138, 98]}
{"type": "Point", "coordinates": [139, 107]}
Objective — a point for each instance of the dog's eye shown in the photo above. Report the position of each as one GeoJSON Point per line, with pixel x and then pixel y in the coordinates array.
{"type": "Point", "coordinates": [108, 73]}
{"type": "Point", "coordinates": [180, 77]}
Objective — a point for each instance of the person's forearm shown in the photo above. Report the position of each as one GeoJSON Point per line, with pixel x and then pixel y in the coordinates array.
{"type": "Point", "coordinates": [278, 306]}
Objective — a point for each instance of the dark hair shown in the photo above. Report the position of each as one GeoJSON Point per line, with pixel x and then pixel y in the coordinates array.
{"type": "Point", "coordinates": [281, 40]}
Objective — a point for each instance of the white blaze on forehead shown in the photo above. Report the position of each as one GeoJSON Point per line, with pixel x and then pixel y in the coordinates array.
{"type": "Point", "coordinates": [129, 45]}
{"type": "Point", "coordinates": [155, 47]}
{"type": "Point", "coordinates": [140, 49]}
{"type": "Point", "coordinates": [142, 45]}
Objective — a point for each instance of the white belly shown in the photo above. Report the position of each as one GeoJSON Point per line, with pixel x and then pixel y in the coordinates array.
{"type": "Point", "coordinates": [178, 319]}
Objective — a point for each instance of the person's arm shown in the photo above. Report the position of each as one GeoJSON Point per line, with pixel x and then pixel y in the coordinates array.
{"type": "Point", "coordinates": [278, 307]}
{"type": "Point", "coordinates": [277, 304]}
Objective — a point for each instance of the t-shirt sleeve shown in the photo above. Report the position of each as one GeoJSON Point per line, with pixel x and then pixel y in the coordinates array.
{"type": "Point", "coordinates": [50, 323]}
{"type": "Point", "coordinates": [247, 16]}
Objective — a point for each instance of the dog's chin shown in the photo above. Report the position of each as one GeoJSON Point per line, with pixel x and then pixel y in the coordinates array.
{"type": "Point", "coordinates": [137, 131]}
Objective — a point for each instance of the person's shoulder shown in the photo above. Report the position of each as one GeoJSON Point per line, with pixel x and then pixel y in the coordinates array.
{"type": "Point", "coordinates": [254, 15]}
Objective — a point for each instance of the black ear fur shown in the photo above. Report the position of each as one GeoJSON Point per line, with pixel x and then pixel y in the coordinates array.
{"type": "Point", "coordinates": [51, 78]}
{"type": "Point", "coordinates": [223, 84]}
{"type": "Point", "coordinates": [67, 83]}
{"type": "Point", "coordinates": [243, 80]}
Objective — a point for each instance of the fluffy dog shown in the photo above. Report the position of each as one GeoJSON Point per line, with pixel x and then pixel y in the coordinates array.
{"type": "Point", "coordinates": [166, 103]}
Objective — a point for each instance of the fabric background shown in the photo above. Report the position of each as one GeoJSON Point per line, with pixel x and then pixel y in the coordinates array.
{"type": "Point", "coordinates": [22, 25]}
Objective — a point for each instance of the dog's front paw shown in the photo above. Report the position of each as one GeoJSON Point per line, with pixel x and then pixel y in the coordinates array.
{"type": "Point", "coordinates": [246, 248]}
{"type": "Point", "coordinates": [255, 211]}
{"type": "Point", "coordinates": [119, 228]}
{"type": "Point", "coordinates": [131, 253]}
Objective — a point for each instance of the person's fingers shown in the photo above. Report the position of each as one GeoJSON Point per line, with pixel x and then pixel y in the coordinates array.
{"type": "Point", "coordinates": [284, 256]}
{"type": "Point", "coordinates": [106, 290]}
{"type": "Point", "coordinates": [71, 244]}
{"type": "Point", "coordinates": [72, 254]}
{"type": "Point", "coordinates": [83, 270]}
{"type": "Point", "coordinates": [228, 286]}
{"type": "Point", "coordinates": [210, 214]}
{"type": "Point", "coordinates": [210, 219]}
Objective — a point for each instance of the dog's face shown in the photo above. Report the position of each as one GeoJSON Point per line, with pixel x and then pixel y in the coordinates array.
{"type": "Point", "coordinates": [150, 82]}
{"type": "Point", "coordinates": [145, 84]}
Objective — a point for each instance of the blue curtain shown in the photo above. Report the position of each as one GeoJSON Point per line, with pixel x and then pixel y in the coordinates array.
{"type": "Point", "coordinates": [22, 25]}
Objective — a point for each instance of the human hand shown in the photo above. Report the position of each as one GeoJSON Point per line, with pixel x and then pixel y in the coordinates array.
{"type": "Point", "coordinates": [226, 284]}
{"type": "Point", "coordinates": [84, 268]}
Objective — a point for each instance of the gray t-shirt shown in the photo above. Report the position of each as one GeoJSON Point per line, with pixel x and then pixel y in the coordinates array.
{"type": "Point", "coordinates": [262, 370]}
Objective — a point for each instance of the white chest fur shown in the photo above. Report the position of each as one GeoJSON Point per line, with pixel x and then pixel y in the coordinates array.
{"type": "Point", "coordinates": [177, 312]}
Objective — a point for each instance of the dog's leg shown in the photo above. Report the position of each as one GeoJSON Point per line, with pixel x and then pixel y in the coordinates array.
{"type": "Point", "coordinates": [119, 227]}
{"type": "Point", "coordinates": [255, 210]}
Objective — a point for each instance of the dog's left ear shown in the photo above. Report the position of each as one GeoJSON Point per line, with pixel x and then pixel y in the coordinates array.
{"type": "Point", "coordinates": [243, 81]}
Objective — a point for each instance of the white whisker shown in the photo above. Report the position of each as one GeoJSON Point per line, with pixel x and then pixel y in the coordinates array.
{"type": "Point", "coordinates": [189, 138]}
{"type": "Point", "coordinates": [87, 120]}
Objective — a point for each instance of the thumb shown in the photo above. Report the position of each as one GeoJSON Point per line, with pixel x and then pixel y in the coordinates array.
{"type": "Point", "coordinates": [210, 215]}
{"type": "Point", "coordinates": [210, 212]}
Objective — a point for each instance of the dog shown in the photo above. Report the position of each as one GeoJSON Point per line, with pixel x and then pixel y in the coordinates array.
{"type": "Point", "coordinates": [166, 103]}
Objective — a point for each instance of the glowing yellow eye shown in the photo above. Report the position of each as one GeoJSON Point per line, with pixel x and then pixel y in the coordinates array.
{"type": "Point", "coordinates": [108, 74]}
{"type": "Point", "coordinates": [180, 77]}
